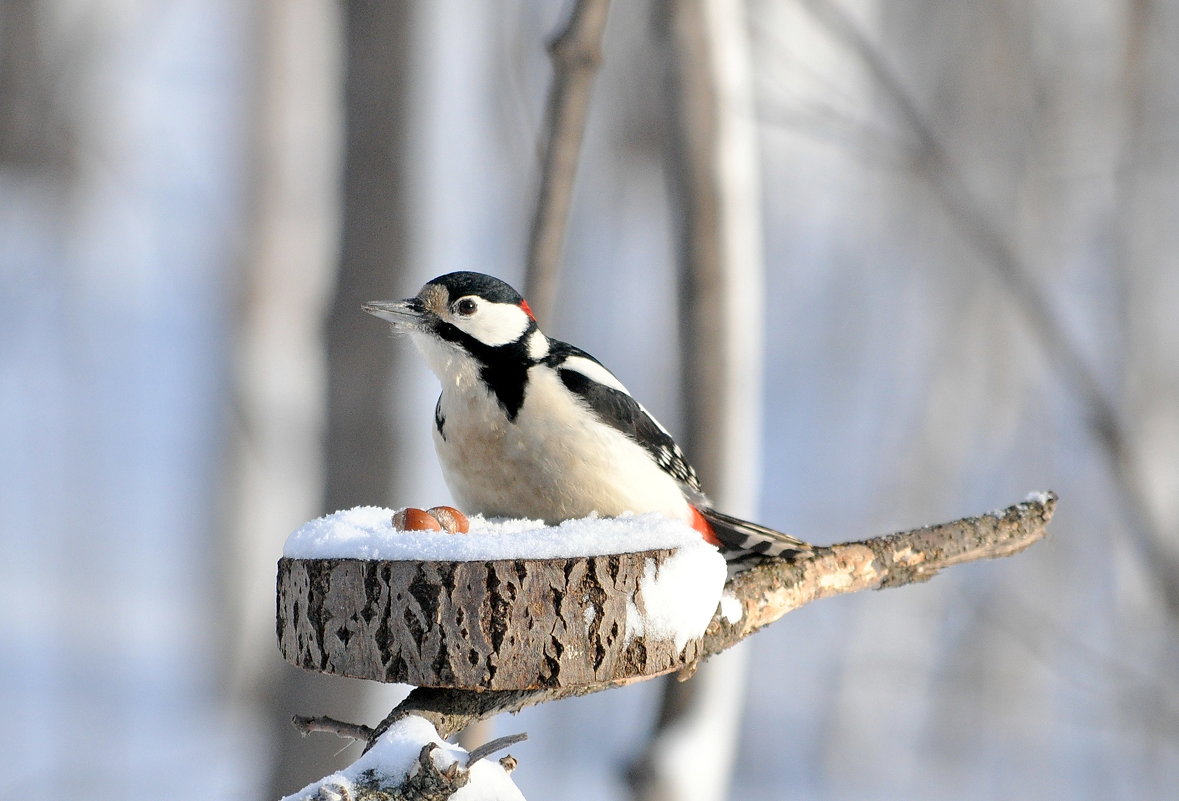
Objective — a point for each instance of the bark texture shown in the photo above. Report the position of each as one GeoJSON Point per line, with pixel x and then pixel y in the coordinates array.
{"type": "Point", "coordinates": [501, 625]}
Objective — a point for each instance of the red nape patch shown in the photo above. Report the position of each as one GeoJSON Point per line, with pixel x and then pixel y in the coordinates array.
{"type": "Point", "coordinates": [527, 310]}
{"type": "Point", "coordinates": [702, 525]}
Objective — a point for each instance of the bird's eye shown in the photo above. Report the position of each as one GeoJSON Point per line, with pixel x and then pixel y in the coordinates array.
{"type": "Point", "coordinates": [466, 307]}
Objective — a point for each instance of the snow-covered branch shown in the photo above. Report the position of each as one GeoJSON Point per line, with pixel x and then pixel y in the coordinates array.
{"type": "Point", "coordinates": [409, 761]}
{"type": "Point", "coordinates": [757, 597]}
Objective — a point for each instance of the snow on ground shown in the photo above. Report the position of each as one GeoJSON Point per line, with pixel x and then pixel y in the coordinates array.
{"type": "Point", "coordinates": [395, 755]}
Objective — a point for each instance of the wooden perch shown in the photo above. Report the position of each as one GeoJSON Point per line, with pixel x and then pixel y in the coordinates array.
{"type": "Point", "coordinates": [773, 588]}
{"type": "Point", "coordinates": [493, 625]}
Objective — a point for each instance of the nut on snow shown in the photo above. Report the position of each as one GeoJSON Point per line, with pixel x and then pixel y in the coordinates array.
{"type": "Point", "coordinates": [452, 520]}
{"type": "Point", "coordinates": [414, 519]}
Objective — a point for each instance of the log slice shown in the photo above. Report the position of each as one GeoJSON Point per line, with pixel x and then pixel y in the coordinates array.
{"type": "Point", "coordinates": [518, 624]}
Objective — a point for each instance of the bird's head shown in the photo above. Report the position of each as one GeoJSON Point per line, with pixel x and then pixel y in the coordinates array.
{"type": "Point", "coordinates": [465, 314]}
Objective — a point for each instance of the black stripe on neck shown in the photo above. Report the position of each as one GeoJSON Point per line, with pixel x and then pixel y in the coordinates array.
{"type": "Point", "coordinates": [504, 369]}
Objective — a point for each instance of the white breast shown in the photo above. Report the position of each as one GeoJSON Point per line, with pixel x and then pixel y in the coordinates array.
{"type": "Point", "coordinates": [554, 462]}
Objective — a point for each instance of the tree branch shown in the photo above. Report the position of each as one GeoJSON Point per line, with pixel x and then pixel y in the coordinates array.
{"type": "Point", "coordinates": [490, 747]}
{"type": "Point", "coordinates": [387, 776]}
{"type": "Point", "coordinates": [774, 587]}
{"type": "Point", "coordinates": [575, 53]}
{"type": "Point", "coordinates": [349, 731]}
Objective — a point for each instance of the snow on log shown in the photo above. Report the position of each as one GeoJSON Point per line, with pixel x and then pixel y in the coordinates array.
{"type": "Point", "coordinates": [513, 605]}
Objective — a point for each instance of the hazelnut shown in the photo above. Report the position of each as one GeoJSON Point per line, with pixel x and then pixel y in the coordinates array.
{"type": "Point", "coordinates": [414, 519]}
{"type": "Point", "coordinates": [452, 520]}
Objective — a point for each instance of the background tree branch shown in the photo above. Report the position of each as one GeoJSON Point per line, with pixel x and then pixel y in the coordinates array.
{"type": "Point", "coordinates": [772, 588]}
{"type": "Point", "coordinates": [575, 53]}
{"type": "Point", "coordinates": [943, 174]}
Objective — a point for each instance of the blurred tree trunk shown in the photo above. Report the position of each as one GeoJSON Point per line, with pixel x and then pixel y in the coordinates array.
{"type": "Point", "coordinates": [32, 132]}
{"type": "Point", "coordinates": [290, 243]}
{"type": "Point", "coordinates": [713, 172]}
{"type": "Point", "coordinates": [360, 443]}
{"type": "Point", "coordinates": [286, 469]}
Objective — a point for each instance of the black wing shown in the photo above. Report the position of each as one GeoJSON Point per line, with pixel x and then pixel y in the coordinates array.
{"type": "Point", "coordinates": [615, 407]}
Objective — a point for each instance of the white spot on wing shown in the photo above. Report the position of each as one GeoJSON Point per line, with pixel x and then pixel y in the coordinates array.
{"type": "Point", "coordinates": [594, 372]}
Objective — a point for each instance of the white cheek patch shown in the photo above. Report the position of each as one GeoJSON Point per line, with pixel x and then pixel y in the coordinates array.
{"type": "Point", "coordinates": [494, 324]}
{"type": "Point", "coordinates": [594, 372]}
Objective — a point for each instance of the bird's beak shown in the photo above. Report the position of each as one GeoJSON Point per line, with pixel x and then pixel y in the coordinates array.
{"type": "Point", "coordinates": [401, 313]}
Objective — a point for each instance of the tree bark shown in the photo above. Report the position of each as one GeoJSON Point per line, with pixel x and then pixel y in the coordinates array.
{"type": "Point", "coordinates": [499, 625]}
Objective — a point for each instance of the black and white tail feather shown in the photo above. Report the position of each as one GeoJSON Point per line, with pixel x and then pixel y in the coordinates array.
{"type": "Point", "coordinates": [741, 539]}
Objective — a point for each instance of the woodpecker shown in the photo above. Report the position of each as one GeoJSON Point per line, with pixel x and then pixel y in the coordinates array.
{"type": "Point", "coordinates": [529, 426]}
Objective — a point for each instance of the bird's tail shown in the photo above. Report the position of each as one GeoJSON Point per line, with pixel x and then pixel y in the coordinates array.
{"type": "Point", "coordinates": [740, 537]}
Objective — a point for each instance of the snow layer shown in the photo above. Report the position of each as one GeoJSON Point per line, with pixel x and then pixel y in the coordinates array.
{"type": "Point", "coordinates": [367, 532]}
{"type": "Point", "coordinates": [680, 596]}
{"type": "Point", "coordinates": [730, 608]}
{"type": "Point", "coordinates": [396, 753]}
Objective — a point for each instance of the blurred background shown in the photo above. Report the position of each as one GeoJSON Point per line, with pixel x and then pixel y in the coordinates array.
{"type": "Point", "coordinates": [971, 269]}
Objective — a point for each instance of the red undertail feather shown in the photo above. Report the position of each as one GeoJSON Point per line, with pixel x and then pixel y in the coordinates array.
{"type": "Point", "coordinates": [737, 536]}
{"type": "Point", "coordinates": [703, 526]}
